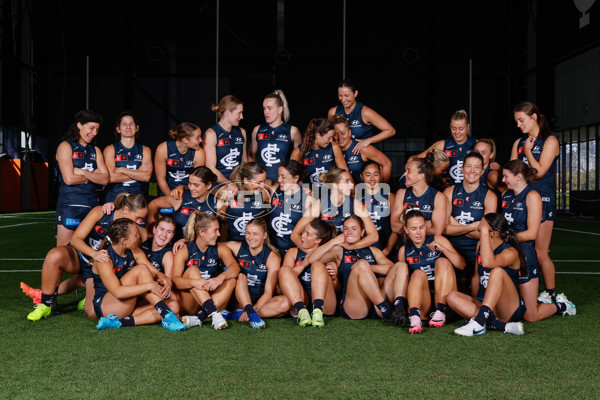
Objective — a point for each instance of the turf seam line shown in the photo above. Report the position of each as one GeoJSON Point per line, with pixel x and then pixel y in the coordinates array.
{"type": "Point", "coordinates": [570, 230]}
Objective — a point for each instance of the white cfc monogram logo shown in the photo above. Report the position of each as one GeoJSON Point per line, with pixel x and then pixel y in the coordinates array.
{"type": "Point", "coordinates": [280, 223]}
{"type": "Point", "coordinates": [268, 155]}
{"type": "Point", "coordinates": [230, 160]}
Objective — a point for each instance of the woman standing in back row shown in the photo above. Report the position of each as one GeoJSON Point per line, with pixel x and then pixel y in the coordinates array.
{"type": "Point", "coordinates": [274, 141]}
{"type": "Point", "coordinates": [362, 118]}
{"type": "Point", "coordinates": [538, 147]}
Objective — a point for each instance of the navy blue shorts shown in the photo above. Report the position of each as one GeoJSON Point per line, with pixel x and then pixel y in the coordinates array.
{"type": "Point", "coordinates": [548, 210]}
{"type": "Point", "coordinates": [98, 305]}
{"type": "Point", "coordinates": [70, 215]}
{"type": "Point", "coordinates": [519, 312]}
{"type": "Point", "coordinates": [533, 271]}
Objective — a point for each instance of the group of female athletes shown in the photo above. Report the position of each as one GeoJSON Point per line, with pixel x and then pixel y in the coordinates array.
{"type": "Point", "coordinates": [304, 224]}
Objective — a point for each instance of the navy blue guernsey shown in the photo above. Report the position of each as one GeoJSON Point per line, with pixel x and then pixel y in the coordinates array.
{"type": "Point", "coordinates": [121, 265]}
{"type": "Point", "coordinates": [467, 208]}
{"type": "Point", "coordinates": [155, 257]}
{"type": "Point", "coordinates": [208, 262]}
{"type": "Point", "coordinates": [189, 205]}
{"type": "Point", "coordinates": [349, 258]}
{"type": "Point", "coordinates": [230, 149]}
{"type": "Point", "coordinates": [514, 208]}
{"type": "Point", "coordinates": [83, 157]}
{"type": "Point", "coordinates": [130, 158]}
{"type": "Point", "coordinates": [240, 210]}
{"type": "Point", "coordinates": [98, 233]}
{"type": "Point", "coordinates": [336, 214]}
{"type": "Point", "coordinates": [483, 179]}
{"type": "Point", "coordinates": [379, 209]}
{"type": "Point", "coordinates": [354, 162]}
{"type": "Point", "coordinates": [545, 186]}
{"type": "Point", "coordinates": [484, 273]}
{"type": "Point", "coordinates": [422, 258]}
{"type": "Point", "coordinates": [456, 153]}
{"type": "Point", "coordinates": [254, 267]}
{"type": "Point", "coordinates": [425, 202]}
{"type": "Point", "coordinates": [360, 130]}
{"type": "Point", "coordinates": [318, 162]}
{"type": "Point", "coordinates": [178, 165]}
{"type": "Point", "coordinates": [286, 211]}
{"type": "Point", "coordinates": [274, 147]}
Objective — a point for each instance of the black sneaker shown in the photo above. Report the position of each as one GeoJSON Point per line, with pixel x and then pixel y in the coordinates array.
{"type": "Point", "coordinates": [398, 317]}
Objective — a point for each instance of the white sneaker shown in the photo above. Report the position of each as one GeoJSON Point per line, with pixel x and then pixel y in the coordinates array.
{"type": "Point", "coordinates": [218, 322]}
{"type": "Point", "coordinates": [544, 297]}
{"type": "Point", "coordinates": [571, 309]}
{"type": "Point", "coordinates": [190, 321]}
{"type": "Point", "coordinates": [516, 328]}
{"type": "Point", "coordinates": [470, 329]}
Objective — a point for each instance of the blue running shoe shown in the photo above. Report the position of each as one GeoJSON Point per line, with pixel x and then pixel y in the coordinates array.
{"type": "Point", "coordinates": [111, 321]}
{"type": "Point", "coordinates": [255, 321]}
{"type": "Point", "coordinates": [172, 323]}
{"type": "Point", "coordinates": [232, 314]}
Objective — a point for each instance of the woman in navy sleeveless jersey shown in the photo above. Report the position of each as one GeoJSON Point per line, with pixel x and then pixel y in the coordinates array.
{"type": "Point", "coordinates": [129, 163]}
{"type": "Point", "coordinates": [433, 204]}
{"type": "Point", "coordinates": [335, 205]}
{"type": "Point", "coordinates": [126, 278]}
{"type": "Point", "coordinates": [430, 260]}
{"type": "Point", "coordinates": [539, 148]}
{"type": "Point", "coordinates": [184, 201]}
{"type": "Point", "coordinates": [457, 145]}
{"type": "Point", "coordinates": [204, 272]}
{"type": "Point", "coordinates": [295, 275]}
{"type": "Point", "coordinates": [492, 171]}
{"type": "Point", "coordinates": [80, 168]}
{"type": "Point", "coordinates": [470, 201]}
{"type": "Point", "coordinates": [273, 142]}
{"type": "Point", "coordinates": [342, 135]}
{"type": "Point", "coordinates": [362, 118]}
{"type": "Point", "coordinates": [259, 268]}
{"type": "Point", "coordinates": [288, 203]}
{"type": "Point", "coordinates": [251, 200]}
{"type": "Point", "coordinates": [317, 152]}
{"type": "Point", "coordinates": [225, 142]}
{"type": "Point", "coordinates": [522, 208]}
{"type": "Point", "coordinates": [357, 269]}
{"type": "Point", "coordinates": [378, 202]}
{"type": "Point", "coordinates": [175, 158]}
{"type": "Point", "coordinates": [76, 258]}
{"type": "Point", "coordinates": [497, 302]}
{"type": "Point", "coordinates": [440, 162]}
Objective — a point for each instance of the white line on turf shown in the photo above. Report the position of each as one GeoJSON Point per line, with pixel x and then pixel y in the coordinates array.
{"type": "Point", "coordinates": [26, 223]}
{"type": "Point", "coordinates": [570, 230]}
{"type": "Point", "coordinates": [21, 259]}
{"type": "Point", "coordinates": [577, 261]}
{"type": "Point", "coordinates": [577, 273]}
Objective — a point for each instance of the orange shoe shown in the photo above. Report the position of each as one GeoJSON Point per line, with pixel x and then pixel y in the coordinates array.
{"type": "Point", "coordinates": [35, 294]}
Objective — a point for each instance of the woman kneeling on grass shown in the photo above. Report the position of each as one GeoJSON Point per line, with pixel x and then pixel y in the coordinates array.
{"type": "Point", "coordinates": [495, 283]}
{"type": "Point", "coordinates": [259, 265]}
{"type": "Point", "coordinates": [430, 260]}
{"type": "Point", "coordinates": [358, 270]}
{"type": "Point", "coordinates": [120, 282]}
{"type": "Point", "coordinates": [204, 272]}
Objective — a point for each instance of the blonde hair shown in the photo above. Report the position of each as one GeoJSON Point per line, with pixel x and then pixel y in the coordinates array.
{"type": "Point", "coordinates": [436, 157]}
{"type": "Point", "coordinates": [281, 101]}
{"type": "Point", "coordinates": [246, 170]}
{"type": "Point", "coordinates": [260, 222]}
{"type": "Point", "coordinates": [184, 130]}
{"type": "Point", "coordinates": [197, 222]}
{"type": "Point", "coordinates": [228, 102]}
{"type": "Point", "coordinates": [133, 201]}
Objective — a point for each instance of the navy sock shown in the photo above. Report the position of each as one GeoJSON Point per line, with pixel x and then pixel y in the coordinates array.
{"type": "Point", "coordinates": [201, 314]}
{"type": "Point", "coordinates": [552, 293]}
{"type": "Point", "coordinates": [560, 308]}
{"type": "Point", "coordinates": [249, 309]}
{"type": "Point", "coordinates": [209, 306]}
{"type": "Point", "coordinates": [318, 303]}
{"type": "Point", "coordinates": [162, 308]}
{"type": "Point", "coordinates": [441, 307]}
{"type": "Point", "coordinates": [496, 323]}
{"type": "Point", "coordinates": [414, 311]}
{"type": "Point", "coordinates": [48, 299]}
{"type": "Point", "coordinates": [482, 316]}
{"type": "Point", "coordinates": [299, 306]}
{"type": "Point", "coordinates": [400, 302]}
{"type": "Point", "coordinates": [385, 308]}
{"type": "Point", "coordinates": [127, 321]}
